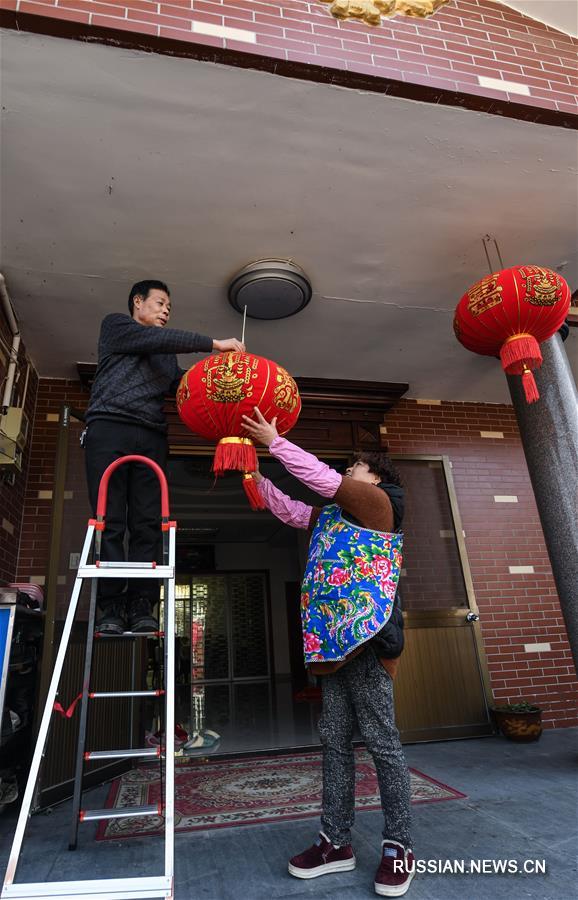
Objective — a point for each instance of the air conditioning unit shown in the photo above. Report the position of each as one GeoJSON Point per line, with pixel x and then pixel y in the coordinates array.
{"type": "Point", "coordinates": [14, 427]}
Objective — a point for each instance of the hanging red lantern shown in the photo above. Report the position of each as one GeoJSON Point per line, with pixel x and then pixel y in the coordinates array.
{"type": "Point", "coordinates": [217, 391]}
{"type": "Point", "coordinates": [509, 313]}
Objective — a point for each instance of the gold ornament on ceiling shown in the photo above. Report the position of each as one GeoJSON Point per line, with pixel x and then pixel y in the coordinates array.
{"type": "Point", "coordinates": [372, 11]}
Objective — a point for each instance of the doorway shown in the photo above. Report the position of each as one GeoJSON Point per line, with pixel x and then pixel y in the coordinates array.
{"type": "Point", "coordinates": [238, 575]}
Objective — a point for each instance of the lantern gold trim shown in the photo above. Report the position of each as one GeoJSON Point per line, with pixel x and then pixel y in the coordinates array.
{"type": "Point", "coordinates": [236, 440]}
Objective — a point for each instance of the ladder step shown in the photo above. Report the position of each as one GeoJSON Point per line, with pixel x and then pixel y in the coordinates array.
{"type": "Point", "coordinates": [108, 564]}
{"type": "Point", "coordinates": [129, 634]}
{"type": "Point", "coordinates": [119, 888]}
{"type": "Point", "coordinates": [97, 695]}
{"type": "Point", "coordinates": [96, 815]}
{"type": "Point", "coordinates": [93, 571]}
{"type": "Point", "coordinates": [144, 753]}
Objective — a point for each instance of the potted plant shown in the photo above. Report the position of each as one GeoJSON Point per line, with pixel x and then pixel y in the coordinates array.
{"type": "Point", "coordinates": [519, 721]}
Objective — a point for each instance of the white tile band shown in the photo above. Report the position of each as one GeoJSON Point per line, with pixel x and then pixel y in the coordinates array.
{"type": "Point", "coordinates": [509, 87]}
{"type": "Point", "coordinates": [222, 31]}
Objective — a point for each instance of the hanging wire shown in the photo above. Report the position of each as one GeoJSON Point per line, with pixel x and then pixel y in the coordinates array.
{"type": "Point", "coordinates": [490, 239]}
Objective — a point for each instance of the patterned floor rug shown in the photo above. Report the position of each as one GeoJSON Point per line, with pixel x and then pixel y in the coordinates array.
{"type": "Point", "coordinates": [219, 793]}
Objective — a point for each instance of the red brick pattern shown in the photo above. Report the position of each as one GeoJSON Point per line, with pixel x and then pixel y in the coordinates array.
{"type": "Point", "coordinates": [34, 543]}
{"type": "Point", "coordinates": [13, 482]}
{"type": "Point", "coordinates": [514, 609]}
{"type": "Point", "coordinates": [464, 40]}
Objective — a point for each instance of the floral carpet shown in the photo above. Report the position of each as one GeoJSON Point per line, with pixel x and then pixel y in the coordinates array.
{"type": "Point", "coordinates": [219, 793]}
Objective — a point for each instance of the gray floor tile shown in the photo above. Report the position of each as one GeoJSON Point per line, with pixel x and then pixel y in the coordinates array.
{"type": "Point", "coordinates": [521, 804]}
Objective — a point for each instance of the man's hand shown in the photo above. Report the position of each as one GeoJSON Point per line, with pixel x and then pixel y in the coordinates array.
{"type": "Point", "coordinates": [228, 344]}
{"type": "Point", "coordinates": [261, 430]}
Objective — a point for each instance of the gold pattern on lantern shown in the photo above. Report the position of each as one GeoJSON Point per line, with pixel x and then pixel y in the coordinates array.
{"type": "Point", "coordinates": [183, 393]}
{"type": "Point", "coordinates": [543, 287]}
{"type": "Point", "coordinates": [285, 395]}
{"type": "Point", "coordinates": [228, 377]}
{"type": "Point", "coordinates": [484, 295]}
{"type": "Point", "coordinates": [372, 11]}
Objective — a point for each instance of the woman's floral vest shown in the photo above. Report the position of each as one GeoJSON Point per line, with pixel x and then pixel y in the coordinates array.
{"type": "Point", "coordinates": [349, 586]}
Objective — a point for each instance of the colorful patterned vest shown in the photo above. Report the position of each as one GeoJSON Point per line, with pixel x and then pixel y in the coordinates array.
{"type": "Point", "coordinates": [349, 585]}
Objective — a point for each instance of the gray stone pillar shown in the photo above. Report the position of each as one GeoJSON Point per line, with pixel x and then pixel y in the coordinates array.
{"type": "Point", "coordinates": [549, 431]}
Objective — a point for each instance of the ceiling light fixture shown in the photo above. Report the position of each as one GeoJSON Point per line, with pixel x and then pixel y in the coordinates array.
{"type": "Point", "coordinates": [270, 289]}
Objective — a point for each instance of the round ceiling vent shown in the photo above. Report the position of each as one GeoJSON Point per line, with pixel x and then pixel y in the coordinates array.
{"type": "Point", "coordinates": [270, 289]}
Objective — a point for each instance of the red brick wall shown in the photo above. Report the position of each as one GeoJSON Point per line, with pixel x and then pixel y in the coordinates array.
{"type": "Point", "coordinates": [514, 609]}
{"type": "Point", "coordinates": [13, 482]}
{"type": "Point", "coordinates": [34, 543]}
{"type": "Point", "coordinates": [462, 41]}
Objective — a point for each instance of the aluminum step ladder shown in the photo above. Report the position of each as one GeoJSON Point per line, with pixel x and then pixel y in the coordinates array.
{"type": "Point", "coordinates": [113, 888]}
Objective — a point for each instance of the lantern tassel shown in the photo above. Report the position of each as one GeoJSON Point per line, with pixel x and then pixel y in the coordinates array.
{"type": "Point", "coordinates": [234, 453]}
{"type": "Point", "coordinates": [519, 354]}
{"type": "Point", "coordinates": [253, 494]}
{"type": "Point", "coordinates": [520, 351]}
{"type": "Point", "coordinates": [530, 386]}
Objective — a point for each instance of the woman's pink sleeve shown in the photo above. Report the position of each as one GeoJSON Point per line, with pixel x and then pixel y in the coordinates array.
{"type": "Point", "coordinates": [292, 512]}
{"type": "Point", "coordinates": [315, 474]}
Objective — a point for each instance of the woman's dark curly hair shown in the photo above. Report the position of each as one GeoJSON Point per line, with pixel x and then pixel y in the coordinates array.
{"type": "Point", "coordinates": [380, 464]}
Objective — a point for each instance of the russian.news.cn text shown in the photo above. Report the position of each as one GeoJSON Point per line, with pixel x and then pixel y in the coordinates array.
{"type": "Point", "coordinates": [473, 866]}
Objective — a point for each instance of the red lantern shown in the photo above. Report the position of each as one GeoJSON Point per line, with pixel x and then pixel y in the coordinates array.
{"type": "Point", "coordinates": [218, 390]}
{"type": "Point", "coordinates": [508, 314]}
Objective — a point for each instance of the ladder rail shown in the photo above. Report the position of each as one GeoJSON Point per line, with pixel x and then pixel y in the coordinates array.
{"type": "Point", "coordinates": [169, 593]}
{"type": "Point", "coordinates": [45, 722]}
{"type": "Point", "coordinates": [113, 888]}
{"type": "Point", "coordinates": [138, 887]}
{"type": "Point", "coordinates": [81, 740]}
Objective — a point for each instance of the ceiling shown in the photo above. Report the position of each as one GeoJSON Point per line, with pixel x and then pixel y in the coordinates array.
{"type": "Point", "coordinates": [118, 165]}
{"type": "Point", "coordinates": [561, 14]}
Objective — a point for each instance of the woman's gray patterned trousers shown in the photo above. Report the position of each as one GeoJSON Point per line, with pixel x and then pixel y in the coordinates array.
{"type": "Point", "coordinates": [362, 692]}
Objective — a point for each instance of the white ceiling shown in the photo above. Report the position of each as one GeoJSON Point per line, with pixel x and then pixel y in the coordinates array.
{"type": "Point", "coordinates": [118, 165]}
{"type": "Point", "coordinates": [561, 14]}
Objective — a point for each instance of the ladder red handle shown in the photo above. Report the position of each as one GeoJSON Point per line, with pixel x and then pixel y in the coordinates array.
{"type": "Point", "coordinates": [103, 488]}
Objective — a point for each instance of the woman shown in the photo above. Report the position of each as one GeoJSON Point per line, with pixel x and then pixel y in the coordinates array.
{"type": "Point", "coordinates": [356, 684]}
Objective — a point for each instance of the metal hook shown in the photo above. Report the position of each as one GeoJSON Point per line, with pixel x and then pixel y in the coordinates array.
{"type": "Point", "coordinates": [485, 241]}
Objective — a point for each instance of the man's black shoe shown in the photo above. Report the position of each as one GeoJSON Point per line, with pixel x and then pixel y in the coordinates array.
{"type": "Point", "coordinates": [110, 622]}
{"type": "Point", "coordinates": [140, 618]}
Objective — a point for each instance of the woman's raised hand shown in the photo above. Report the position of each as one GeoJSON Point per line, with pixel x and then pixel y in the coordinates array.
{"type": "Point", "coordinates": [260, 429]}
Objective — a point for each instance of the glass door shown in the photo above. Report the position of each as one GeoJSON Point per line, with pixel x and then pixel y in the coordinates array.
{"type": "Point", "coordinates": [223, 664]}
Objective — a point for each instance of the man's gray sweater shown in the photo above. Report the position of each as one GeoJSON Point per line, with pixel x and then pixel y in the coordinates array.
{"type": "Point", "coordinates": [137, 369]}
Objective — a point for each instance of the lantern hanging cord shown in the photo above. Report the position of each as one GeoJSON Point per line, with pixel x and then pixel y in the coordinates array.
{"type": "Point", "coordinates": [244, 321]}
{"type": "Point", "coordinates": [485, 241]}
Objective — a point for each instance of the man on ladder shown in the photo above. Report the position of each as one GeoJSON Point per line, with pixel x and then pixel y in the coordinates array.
{"type": "Point", "coordinates": [126, 446]}
{"type": "Point", "coordinates": [137, 369]}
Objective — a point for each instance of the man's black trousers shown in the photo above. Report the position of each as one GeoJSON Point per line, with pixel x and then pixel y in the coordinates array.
{"type": "Point", "coordinates": [133, 503]}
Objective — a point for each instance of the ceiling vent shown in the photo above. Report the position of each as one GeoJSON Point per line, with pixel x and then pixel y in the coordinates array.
{"type": "Point", "coordinates": [270, 289]}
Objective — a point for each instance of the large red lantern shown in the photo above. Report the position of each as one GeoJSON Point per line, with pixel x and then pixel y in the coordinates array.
{"type": "Point", "coordinates": [218, 390]}
{"type": "Point", "coordinates": [508, 314]}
